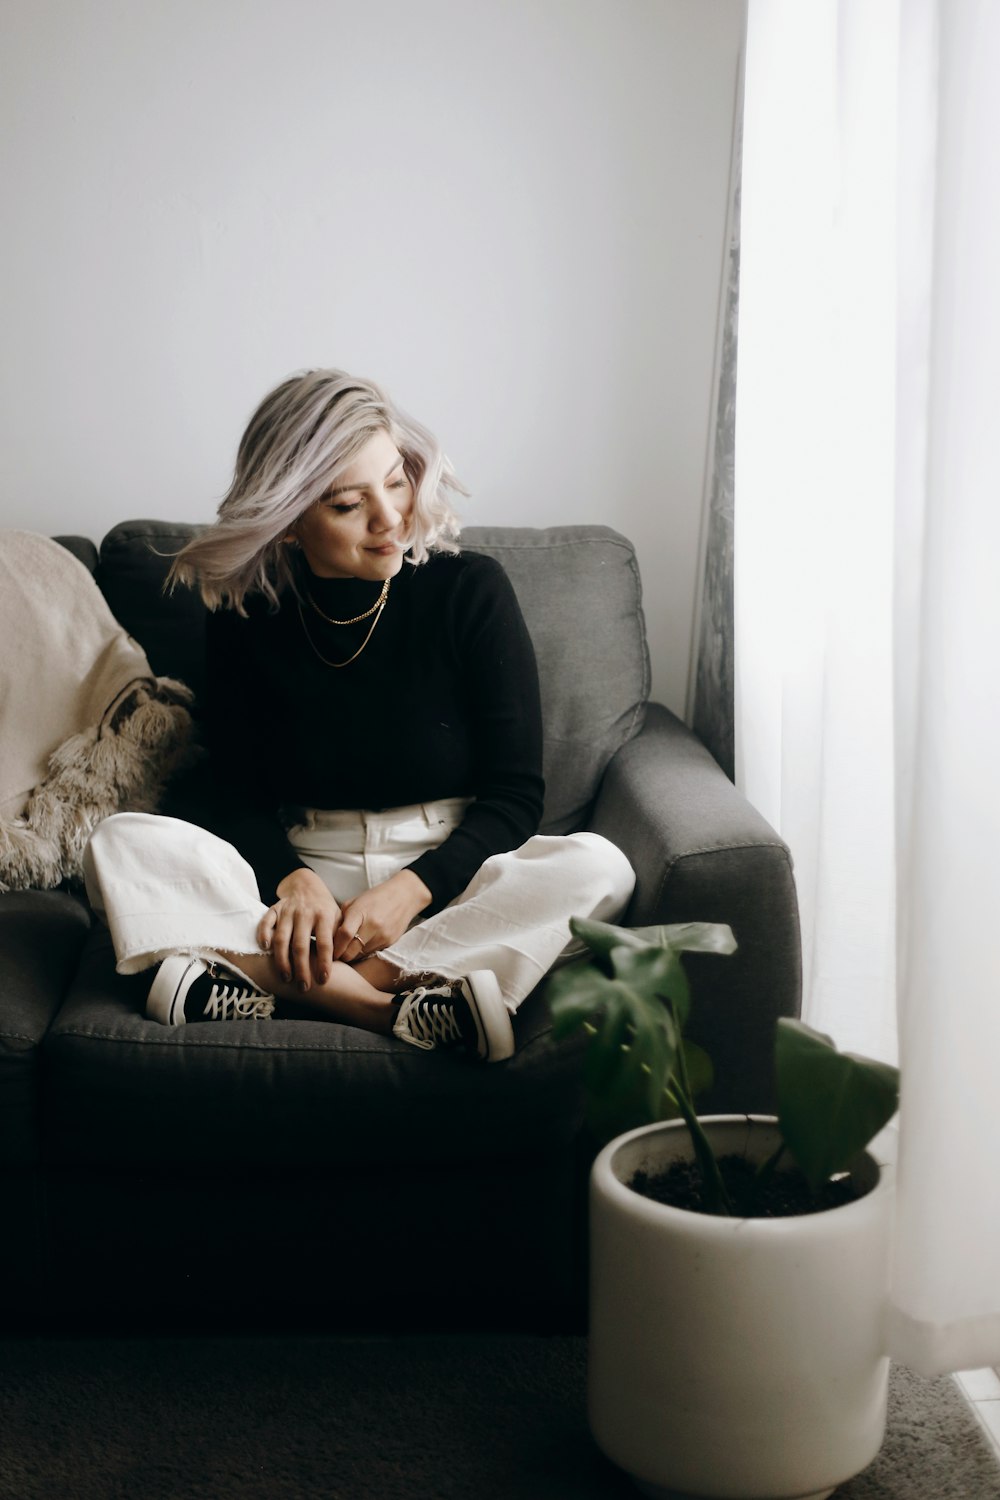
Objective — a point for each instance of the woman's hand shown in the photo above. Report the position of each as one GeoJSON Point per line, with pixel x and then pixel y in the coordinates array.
{"type": "Point", "coordinates": [379, 916]}
{"type": "Point", "coordinates": [299, 928]}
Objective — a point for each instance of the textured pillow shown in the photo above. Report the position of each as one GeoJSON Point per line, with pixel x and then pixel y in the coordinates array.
{"type": "Point", "coordinates": [86, 729]}
{"type": "Point", "coordinates": [579, 590]}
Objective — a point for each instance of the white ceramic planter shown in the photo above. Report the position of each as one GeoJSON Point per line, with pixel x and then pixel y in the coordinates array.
{"type": "Point", "coordinates": [738, 1359]}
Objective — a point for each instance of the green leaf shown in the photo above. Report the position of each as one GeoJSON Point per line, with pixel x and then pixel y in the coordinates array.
{"type": "Point", "coordinates": [654, 975]}
{"type": "Point", "coordinates": [680, 995]}
{"type": "Point", "coordinates": [605, 1059]}
{"type": "Point", "coordinates": [632, 996]}
{"type": "Point", "coordinates": [682, 937]}
{"type": "Point", "coordinates": [652, 1046]}
{"type": "Point", "coordinates": [602, 937]}
{"type": "Point", "coordinates": [698, 1065]}
{"type": "Point", "coordinates": [690, 937]}
{"type": "Point", "coordinates": [629, 1060]}
{"type": "Point", "coordinates": [574, 995]}
{"type": "Point", "coordinates": [830, 1103]}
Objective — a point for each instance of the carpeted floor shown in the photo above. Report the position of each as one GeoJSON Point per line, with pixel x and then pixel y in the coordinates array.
{"type": "Point", "coordinates": [347, 1419]}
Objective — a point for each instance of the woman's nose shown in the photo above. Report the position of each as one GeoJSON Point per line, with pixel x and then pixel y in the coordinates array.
{"type": "Point", "coordinates": [384, 515]}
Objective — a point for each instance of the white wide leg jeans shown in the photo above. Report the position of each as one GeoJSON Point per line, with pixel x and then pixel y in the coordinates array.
{"type": "Point", "coordinates": [165, 886]}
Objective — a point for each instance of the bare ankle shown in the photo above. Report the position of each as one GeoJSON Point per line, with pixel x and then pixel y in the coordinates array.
{"type": "Point", "coordinates": [381, 974]}
{"type": "Point", "coordinates": [346, 995]}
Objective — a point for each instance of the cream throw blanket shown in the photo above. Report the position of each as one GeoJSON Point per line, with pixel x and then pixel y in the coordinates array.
{"type": "Point", "coordinates": [85, 728]}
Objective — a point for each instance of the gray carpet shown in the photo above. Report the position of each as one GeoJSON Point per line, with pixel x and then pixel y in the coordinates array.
{"type": "Point", "coordinates": [408, 1419]}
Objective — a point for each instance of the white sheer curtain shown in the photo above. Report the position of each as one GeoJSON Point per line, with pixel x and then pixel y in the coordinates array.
{"type": "Point", "coordinates": [867, 601]}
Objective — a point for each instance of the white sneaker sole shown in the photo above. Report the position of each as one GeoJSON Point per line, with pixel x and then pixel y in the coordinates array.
{"type": "Point", "coordinates": [492, 1018]}
{"type": "Point", "coordinates": [167, 993]}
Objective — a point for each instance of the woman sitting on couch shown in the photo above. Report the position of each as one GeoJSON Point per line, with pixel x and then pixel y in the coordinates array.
{"type": "Point", "coordinates": [375, 732]}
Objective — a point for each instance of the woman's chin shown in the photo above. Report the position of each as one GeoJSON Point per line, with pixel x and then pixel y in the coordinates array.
{"type": "Point", "coordinates": [385, 562]}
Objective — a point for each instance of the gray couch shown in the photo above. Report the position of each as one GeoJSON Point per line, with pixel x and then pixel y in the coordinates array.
{"type": "Point", "coordinates": [303, 1174]}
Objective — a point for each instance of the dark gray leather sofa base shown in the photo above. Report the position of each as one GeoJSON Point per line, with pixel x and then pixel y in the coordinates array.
{"type": "Point", "coordinates": [499, 1245]}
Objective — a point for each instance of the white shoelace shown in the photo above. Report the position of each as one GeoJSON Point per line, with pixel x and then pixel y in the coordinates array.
{"type": "Point", "coordinates": [425, 1022]}
{"type": "Point", "coordinates": [230, 1003]}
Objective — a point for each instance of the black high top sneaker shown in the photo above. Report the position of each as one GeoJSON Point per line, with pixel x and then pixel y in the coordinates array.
{"type": "Point", "coordinates": [467, 1013]}
{"type": "Point", "coordinates": [188, 988]}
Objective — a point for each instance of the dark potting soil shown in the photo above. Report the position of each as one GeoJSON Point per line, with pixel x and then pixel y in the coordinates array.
{"type": "Point", "coordinates": [784, 1194]}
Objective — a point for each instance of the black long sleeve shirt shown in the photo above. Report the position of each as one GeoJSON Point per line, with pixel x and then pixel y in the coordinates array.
{"type": "Point", "coordinates": [442, 702]}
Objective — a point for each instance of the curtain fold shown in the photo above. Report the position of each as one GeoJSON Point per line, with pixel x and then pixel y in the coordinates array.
{"type": "Point", "coordinates": [946, 1309]}
{"type": "Point", "coordinates": [711, 706]}
{"type": "Point", "coordinates": [867, 615]}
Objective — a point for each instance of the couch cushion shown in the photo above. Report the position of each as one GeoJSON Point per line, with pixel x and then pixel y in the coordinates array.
{"type": "Point", "coordinates": [120, 1089]}
{"type": "Point", "coordinates": [82, 549]}
{"type": "Point", "coordinates": [41, 934]}
{"type": "Point", "coordinates": [577, 585]}
{"type": "Point", "coordinates": [131, 571]}
{"type": "Point", "coordinates": [579, 589]}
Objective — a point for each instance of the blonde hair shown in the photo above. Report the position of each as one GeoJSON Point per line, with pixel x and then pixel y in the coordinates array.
{"type": "Point", "coordinates": [300, 438]}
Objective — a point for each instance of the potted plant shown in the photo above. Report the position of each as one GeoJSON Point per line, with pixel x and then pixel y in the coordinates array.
{"type": "Point", "coordinates": [736, 1347]}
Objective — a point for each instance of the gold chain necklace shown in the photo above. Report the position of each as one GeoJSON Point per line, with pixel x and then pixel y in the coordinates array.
{"type": "Point", "coordinates": [356, 619]}
{"type": "Point", "coordinates": [379, 607]}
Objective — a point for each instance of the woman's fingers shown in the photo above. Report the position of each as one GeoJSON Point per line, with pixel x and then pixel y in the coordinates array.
{"type": "Point", "coordinates": [281, 939]}
{"type": "Point", "coordinates": [300, 938]}
{"type": "Point", "coordinates": [350, 942]}
{"type": "Point", "coordinates": [379, 916]}
{"type": "Point", "coordinates": [306, 930]}
{"type": "Point", "coordinates": [323, 948]}
{"type": "Point", "coordinates": [265, 928]}
{"type": "Point", "coordinates": [300, 950]}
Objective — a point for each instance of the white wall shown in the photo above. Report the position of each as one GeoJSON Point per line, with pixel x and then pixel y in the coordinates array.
{"type": "Point", "coordinates": [509, 212]}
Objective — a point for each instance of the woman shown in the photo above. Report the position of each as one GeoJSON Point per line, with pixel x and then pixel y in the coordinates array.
{"type": "Point", "coordinates": [375, 730]}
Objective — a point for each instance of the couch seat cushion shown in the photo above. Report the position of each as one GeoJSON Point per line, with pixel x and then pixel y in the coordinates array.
{"type": "Point", "coordinates": [121, 1089]}
{"type": "Point", "coordinates": [41, 934]}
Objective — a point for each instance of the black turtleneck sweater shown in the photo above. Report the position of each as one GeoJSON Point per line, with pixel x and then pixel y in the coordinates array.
{"type": "Point", "coordinates": [442, 702]}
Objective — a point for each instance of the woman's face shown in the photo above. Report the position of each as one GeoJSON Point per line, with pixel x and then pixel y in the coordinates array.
{"type": "Point", "coordinates": [358, 529]}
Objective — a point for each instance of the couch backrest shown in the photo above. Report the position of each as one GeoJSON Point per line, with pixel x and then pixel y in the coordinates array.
{"type": "Point", "coordinates": [577, 585]}
{"type": "Point", "coordinates": [579, 590]}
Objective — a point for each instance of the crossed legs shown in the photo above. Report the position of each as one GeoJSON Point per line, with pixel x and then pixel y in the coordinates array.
{"type": "Point", "coordinates": [356, 994]}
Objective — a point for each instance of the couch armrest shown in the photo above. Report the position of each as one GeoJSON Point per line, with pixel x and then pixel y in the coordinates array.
{"type": "Point", "coordinates": [702, 853]}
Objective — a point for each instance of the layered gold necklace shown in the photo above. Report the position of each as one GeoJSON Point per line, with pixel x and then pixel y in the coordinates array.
{"type": "Point", "coordinates": [375, 610]}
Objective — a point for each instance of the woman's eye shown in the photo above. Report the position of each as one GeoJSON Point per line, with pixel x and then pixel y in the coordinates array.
{"type": "Point", "coordinates": [344, 507]}
{"type": "Point", "coordinates": [399, 484]}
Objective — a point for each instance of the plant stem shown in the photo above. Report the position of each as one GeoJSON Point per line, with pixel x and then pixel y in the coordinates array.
{"type": "Point", "coordinates": [760, 1180]}
{"type": "Point", "coordinates": [717, 1198]}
